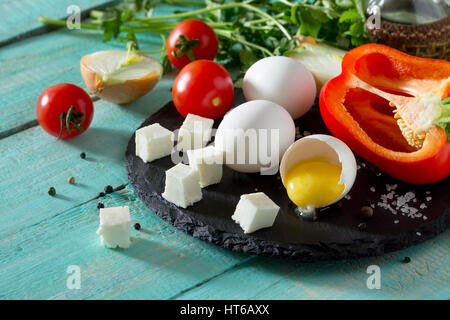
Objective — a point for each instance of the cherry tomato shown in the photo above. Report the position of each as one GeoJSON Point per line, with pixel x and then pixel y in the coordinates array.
{"type": "Point", "coordinates": [64, 110]}
{"type": "Point", "coordinates": [203, 88]}
{"type": "Point", "coordinates": [191, 40]}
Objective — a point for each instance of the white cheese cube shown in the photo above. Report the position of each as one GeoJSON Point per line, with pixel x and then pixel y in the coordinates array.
{"type": "Point", "coordinates": [153, 142]}
{"type": "Point", "coordinates": [114, 227]}
{"type": "Point", "coordinates": [182, 186]}
{"type": "Point", "coordinates": [255, 211]}
{"type": "Point", "coordinates": [208, 162]}
{"type": "Point", "coordinates": [195, 132]}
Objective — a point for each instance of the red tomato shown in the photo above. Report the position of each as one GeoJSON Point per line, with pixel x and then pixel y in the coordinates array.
{"type": "Point", "coordinates": [200, 42]}
{"type": "Point", "coordinates": [203, 88]}
{"type": "Point", "coordinates": [63, 102]}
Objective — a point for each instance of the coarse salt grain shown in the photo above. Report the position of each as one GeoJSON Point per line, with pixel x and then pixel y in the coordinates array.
{"type": "Point", "coordinates": [400, 204]}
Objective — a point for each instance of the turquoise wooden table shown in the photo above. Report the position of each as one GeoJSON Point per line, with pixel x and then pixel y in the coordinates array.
{"type": "Point", "coordinates": [41, 237]}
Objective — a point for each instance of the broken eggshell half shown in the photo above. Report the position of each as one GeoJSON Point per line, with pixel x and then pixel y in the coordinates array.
{"type": "Point", "coordinates": [323, 146]}
{"type": "Point", "coordinates": [114, 76]}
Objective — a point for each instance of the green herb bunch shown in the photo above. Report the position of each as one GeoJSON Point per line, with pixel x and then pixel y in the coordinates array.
{"type": "Point", "coordinates": [247, 30]}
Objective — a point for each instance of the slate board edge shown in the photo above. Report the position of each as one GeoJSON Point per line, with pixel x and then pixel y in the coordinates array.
{"type": "Point", "coordinates": [303, 252]}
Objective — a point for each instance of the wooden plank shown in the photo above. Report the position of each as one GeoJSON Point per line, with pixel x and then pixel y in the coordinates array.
{"type": "Point", "coordinates": [32, 161]}
{"type": "Point", "coordinates": [19, 17]}
{"type": "Point", "coordinates": [425, 277]}
{"type": "Point", "coordinates": [161, 262]}
{"type": "Point", "coordinates": [29, 66]}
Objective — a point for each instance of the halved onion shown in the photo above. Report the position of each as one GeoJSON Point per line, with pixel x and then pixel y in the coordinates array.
{"type": "Point", "coordinates": [323, 61]}
{"type": "Point", "coordinates": [115, 76]}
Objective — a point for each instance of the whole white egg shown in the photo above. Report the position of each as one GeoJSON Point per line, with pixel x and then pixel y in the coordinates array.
{"type": "Point", "coordinates": [282, 80]}
{"type": "Point", "coordinates": [254, 136]}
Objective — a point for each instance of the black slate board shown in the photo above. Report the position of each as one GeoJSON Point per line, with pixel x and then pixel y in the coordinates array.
{"type": "Point", "coordinates": [334, 236]}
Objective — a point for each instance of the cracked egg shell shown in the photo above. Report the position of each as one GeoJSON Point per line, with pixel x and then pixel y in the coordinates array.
{"type": "Point", "coordinates": [327, 147]}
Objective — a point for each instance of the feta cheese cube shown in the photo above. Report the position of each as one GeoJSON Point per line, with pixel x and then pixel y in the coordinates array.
{"type": "Point", "coordinates": [208, 162]}
{"type": "Point", "coordinates": [153, 142]}
{"type": "Point", "coordinates": [195, 132]}
{"type": "Point", "coordinates": [255, 211]}
{"type": "Point", "coordinates": [182, 186]}
{"type": "Point", "coordinates": [114, 227]}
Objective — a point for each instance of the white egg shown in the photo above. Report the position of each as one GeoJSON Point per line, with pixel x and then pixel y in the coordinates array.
{"type": "Point", "coordinates": [282, 80]}
{"type": "Point", "coordinates": [323, 146]}
{"type": "Point", "coordinates": [254, 136]}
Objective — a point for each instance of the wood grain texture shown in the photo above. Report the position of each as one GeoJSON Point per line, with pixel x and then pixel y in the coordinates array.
{"type": "Point", "coordinates": [30, 66]}
{"type": "Point", "coordinates": [425, 277]}
{"type": "Point", "coordinates": [18, 17]}
{"type": "Point", "coordinates": [32, 161]}
{"type": "Point", "coordinates": [160, 263]}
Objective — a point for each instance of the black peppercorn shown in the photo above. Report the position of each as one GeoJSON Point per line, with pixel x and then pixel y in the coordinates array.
{"type": "Point", "coordinates": [109, 189]}
{"type": "Point", "coordinates": [52, 191]}
{"type": "Point", "coordinates": [366, 212]}
{"type": "Point", "coordinates": [100, 205]}
{"type": "Point", "coordinates": [137, 226]}
{"type": "Point", "coordinates": [362, 226]}
{"type": "Point", "coordinates": [406, 260]}
{"type": "Point", "coordinates": [83, 155]}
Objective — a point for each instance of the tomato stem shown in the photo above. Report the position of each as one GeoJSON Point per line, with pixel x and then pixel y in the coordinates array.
{"type": "Point", "coordinates": [71, 121]}
{"type": "Point", "coordinates": [185, 47]}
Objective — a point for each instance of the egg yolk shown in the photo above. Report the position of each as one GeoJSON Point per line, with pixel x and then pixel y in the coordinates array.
{"type": "Point", "coordinates": [313, 182]}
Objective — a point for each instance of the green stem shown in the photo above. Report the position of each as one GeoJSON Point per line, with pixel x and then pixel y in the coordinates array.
{"type": "Point", "coordinates": [96, 14]}
{"type": "Point", "coordinates": [262, 20]}
{"type": "Point", "coordinates": [63, 23]}
{"type": "Point", "coordinates": [286, 3]}
{"type": "Point", "coordinates": [268, 16]}
{"type": "Point", "coordinates": [228, 35]}
{"type": "Point", "coordinates": [245, 5]}
{"type": "Point", "coordinates": [184, 2]}
{"type": "Point", "coordinates": [194, 12]}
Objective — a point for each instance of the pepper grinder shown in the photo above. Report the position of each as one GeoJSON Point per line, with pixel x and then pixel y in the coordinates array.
{"type": "Point", "coordinates": [417, 27]}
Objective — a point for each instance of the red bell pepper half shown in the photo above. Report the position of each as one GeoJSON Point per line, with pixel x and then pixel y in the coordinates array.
{"type": "Point", "coordinates": [393, 110]}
